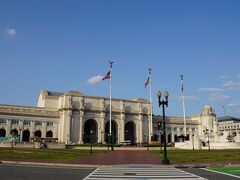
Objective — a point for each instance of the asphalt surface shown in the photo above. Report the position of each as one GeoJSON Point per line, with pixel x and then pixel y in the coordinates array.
{"type": "Point", "coordinates": [33, 172]}
{"type": "Point", "coordinates": [28, 172]}
{"type": "Point", "coordinates": [208, 175]}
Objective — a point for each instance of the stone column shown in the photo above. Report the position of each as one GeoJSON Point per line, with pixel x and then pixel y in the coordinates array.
{"type": "Point", "coordinates": [65, 126]}
{"type": "Point", "coordinates": [8, 129]}
{"type": "Point", "coordinates": [44, 129]}
{"type": "Point", "coordinates": [102, 128]}
{"type": "Point", "coordinates": [21, 129]}
{"type": "Point", "coordinates": [173, 136]}
{"type": "Point", "coordinates": [81, 130]}
{"type": "Point", "coordinates": [121, 128]}
{"type": "Point", "coordinates": [55, 130]}
{"type": "Point", "coordinates": [139, 136]}
{"type": "Point", "coordinates": [33, 129]}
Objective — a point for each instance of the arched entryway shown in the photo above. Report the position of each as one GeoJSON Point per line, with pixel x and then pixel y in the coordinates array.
{"type": "Point", "coordinates": [90, 125]}
{"type": "Point", "coordinates": [49, 134]}
{"type": "Point", "coordinates": [26, 135]}
{"type": "Point", "coordinates": [2, 132]}
{"type": "Point", "coordinates": [169, 138]}
{"type": "Point", "coordinates": [113, 131]}
{"type": "Point", "coordinates": [38, 133]}
{"type": "Point", "coordinates": [180, 138]}
{"type": "Point", "coordinates": [14, 132]}
{"type": "Point", "coordinates": [130, 132]}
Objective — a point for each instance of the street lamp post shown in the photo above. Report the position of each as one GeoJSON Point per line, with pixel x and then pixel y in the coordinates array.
{"type": "Point", "coordinates": [193, 141]}
{"type": "Point", "coordinates": [91, 139]}
{"type": "Point", "coordinates": [160, 132]}
{"type": "Point", "coordinates": [164, 103]}
{"type": "Point", "coordinates": [108, 141]}
{"type": "Point", "coordinates": [208, 132]}
{"type": "Point", "coordinates": [160, 135]}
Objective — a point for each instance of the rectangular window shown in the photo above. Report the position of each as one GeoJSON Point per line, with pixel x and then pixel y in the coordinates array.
{"type": "Point", "coordinates": [26, 122]}
{"type": "Point", "coordinates": [15, 122]}
{"type": "Point", "coordinates": [3, 121]}
{"type": "Point", "coordinates": [38, 123]}
{"type": "Point", "coordinates": [49, 123]}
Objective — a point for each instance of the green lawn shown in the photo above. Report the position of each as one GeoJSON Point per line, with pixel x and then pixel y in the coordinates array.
{"type": "Point", "coordinates": [234, 170]}
{"type": "Point", "coordinates": [45, 154]}
{"type": "Point", "coordinates": [204, 156]}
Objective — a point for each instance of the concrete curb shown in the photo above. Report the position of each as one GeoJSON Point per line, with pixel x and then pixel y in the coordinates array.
{"type": "Point", "coordinates": [50, 164]}
{"type": "Point", "coordinates": [204, 165]}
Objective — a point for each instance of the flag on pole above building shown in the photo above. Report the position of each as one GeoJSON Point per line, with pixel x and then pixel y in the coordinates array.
{"type": "Point", "coordinates": [147, 82]}
{"type": "Point", "coordinates": [107, 76]}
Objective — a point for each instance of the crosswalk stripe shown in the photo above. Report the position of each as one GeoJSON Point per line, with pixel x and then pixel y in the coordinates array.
{"type": "Point", "coordinates": [131, 173]}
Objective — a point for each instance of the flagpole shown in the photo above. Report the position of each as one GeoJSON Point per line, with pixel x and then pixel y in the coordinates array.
{"type": "Point", "coordinates": [184, 112]}
{"type": "Point", "coordinates": [110, 99]}
{"type": "Point", "coordinates": [150, 93]}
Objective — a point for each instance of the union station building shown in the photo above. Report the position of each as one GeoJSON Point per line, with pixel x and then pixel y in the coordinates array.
{"type": "Point", "coordinates": [73, 117]}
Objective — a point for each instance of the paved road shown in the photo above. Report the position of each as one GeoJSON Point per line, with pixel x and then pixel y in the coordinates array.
{"type": "Point", "coordinates": [19, 172]}
{"type": "Point", "coordinates": [209, 175]}
{"type": "Point", "coordinates": [27, 172]}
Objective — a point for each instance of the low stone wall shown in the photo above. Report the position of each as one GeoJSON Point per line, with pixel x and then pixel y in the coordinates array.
{"type": "Point", "coordinates": [32, 145]}
{"type": "Point", "coordinates": [189, 145]}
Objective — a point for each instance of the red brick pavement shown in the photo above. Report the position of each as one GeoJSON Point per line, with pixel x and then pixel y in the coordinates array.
{"type": "Point", "coordinates": [119, 157]}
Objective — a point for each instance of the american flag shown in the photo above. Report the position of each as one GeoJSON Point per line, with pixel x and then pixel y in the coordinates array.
{"type": "Point", "coordinates": [147, 82]}
{"type": "Point", "coordinates": [107, 76]}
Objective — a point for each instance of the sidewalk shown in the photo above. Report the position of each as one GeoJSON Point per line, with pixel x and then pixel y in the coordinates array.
{"type": "Point", "coordinates": [116, 157]}
{"type": "Point", "coordinates": [119, 157]}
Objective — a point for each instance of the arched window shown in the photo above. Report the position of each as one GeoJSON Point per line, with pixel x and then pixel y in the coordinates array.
{"type": "Point", "coordinates": [38, 133]}
{"type": "Point", "coordinates": [26, 135]}
{"type": "Point", "coordinates": [14, 132]}
{"type": "Point", "coordinates": [2, 132]}
{"type": "Point", "coordinates": [49, 134]}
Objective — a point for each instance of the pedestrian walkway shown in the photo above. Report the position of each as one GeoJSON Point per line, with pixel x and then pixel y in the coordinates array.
{"type": "Point", "coordinates": [120, 157]}
{"type": "Point", "coordinates": [140, 172]}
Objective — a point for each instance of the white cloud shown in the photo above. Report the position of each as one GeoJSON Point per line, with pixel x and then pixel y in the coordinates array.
{"type": "Point", "coordinates": [224, 77]}
{"type": "Point", "coordinates": [218, 96]}
{"type": "Point", "coordinates": [209, 89]}
{"type": "Point", "coordinates": [231, 85]}
{"type": "Point", "coordinates": [95, 79]}
{"type": "Point", "coordinates": [11, 32]}
{"type": "Point", "coordinates": [235, 104]}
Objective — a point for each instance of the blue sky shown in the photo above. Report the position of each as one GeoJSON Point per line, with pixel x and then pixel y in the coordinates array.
{"type": "Point", "coordinates": [60, 45]}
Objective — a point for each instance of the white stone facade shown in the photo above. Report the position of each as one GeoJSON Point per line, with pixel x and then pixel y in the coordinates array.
{"type": "Point", "coordinates": [71, 117]}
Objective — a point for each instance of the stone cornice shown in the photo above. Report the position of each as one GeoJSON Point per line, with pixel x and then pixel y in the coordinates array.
{"type": "Point", "coordinates": [116, 111]}
{"type": "Point", "coordinates": [28, 111]}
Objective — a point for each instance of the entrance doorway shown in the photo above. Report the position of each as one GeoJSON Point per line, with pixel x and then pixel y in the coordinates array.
{"type": "Point", "coordinates": [2, 132]}
{"type": "Point", "coordinates": [113, 131]}
{"type": "Point", "coordinates": [90, 125]}
{"type": "Point", "coordinates": [26, 136]}
{"type": "Point", "coordinates": [130, 132]}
